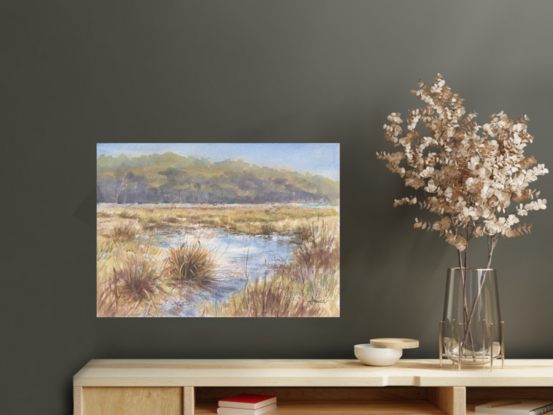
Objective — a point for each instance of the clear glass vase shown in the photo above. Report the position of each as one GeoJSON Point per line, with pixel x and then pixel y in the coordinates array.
{"type": "Point", "coordinates": [471, 331]}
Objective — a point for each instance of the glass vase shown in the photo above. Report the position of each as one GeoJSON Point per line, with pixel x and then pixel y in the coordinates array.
{"type": "Point", "coordinates": [471, 332]}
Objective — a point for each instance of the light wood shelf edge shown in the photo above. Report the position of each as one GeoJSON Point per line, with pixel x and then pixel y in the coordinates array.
{"type": "Point", "coordinates": [450, 400]}
{"type": "Point", "coordinates": [306, 373]}
{"type": "Point", "coordinates": [77, 400]}
{"type": "Point", "coordinates": [189, 400]}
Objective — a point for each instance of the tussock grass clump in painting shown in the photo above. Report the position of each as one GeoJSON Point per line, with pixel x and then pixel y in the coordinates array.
{"type": "Point", "coordinates": [137, 280]}
{"type": "Point", "coordinates": [317, 255]}
{"type": "Point", "coordinates": [270, 298]}
{"type": "Point", "coordinates": [131, 289]}
{"type": "Point", "coordinates": [191, 266]}
{"type": "Point", "coordinates": [124, 232]}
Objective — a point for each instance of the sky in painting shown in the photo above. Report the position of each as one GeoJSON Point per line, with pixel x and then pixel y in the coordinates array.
{"type": "Point", "coordinates": [315, 158]}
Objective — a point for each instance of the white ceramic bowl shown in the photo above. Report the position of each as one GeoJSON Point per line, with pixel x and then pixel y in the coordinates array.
{"type": "Point", "coordinates": [376, 356]}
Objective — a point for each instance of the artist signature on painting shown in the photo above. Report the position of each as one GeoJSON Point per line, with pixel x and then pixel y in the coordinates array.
{"type": "Point", "coordinates": [317, 301]}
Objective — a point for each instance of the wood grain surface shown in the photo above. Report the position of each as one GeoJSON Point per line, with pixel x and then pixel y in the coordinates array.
{"type": "Point", "coordinates": [450, 400]}
{"type": "Point", "coordinates": [307, 373]}
{"type": "Point", "coordinates": [133, 401]}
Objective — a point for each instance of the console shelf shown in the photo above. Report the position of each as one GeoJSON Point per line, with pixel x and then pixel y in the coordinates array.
{"type": "Point", "coordinates": [418, 387]}
{"type": "Point", "coordinates": [324, 408]}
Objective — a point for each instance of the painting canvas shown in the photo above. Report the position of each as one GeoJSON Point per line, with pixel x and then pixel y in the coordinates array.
{"type": "Point", "coordinates": [218, 230]}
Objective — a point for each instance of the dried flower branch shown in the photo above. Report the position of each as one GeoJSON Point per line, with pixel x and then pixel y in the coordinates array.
{"type": "Point", "coordinates": [475, 178]}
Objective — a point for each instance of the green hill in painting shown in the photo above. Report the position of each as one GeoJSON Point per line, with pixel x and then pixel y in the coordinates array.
{"type": "Point", "coordinates": [170, 178]}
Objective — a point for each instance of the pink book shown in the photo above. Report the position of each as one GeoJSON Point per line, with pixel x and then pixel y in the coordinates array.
{"type": "Point", "coordinates": [247, 401]}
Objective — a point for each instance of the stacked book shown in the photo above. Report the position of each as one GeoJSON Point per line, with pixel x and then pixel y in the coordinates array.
{"type": "Point", "coordinates": [247, 404]}
{"type": "Point", "coordinates": [515, 407]}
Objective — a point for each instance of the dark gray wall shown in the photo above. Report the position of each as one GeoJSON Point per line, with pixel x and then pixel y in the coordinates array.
{"type": "Point", "coordinates": [75, 73]}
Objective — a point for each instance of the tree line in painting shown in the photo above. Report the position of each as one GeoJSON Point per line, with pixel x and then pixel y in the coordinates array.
{"type": "Point", "coordinates": [170, 178]}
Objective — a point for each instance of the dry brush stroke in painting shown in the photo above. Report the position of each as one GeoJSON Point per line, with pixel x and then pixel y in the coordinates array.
{"type": "Point", "coordinates": [218, 230]}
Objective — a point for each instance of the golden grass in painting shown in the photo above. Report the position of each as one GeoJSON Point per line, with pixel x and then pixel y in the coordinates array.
{"type": "Point", "coordinates": [124, 232]}
{"type": "Point", "coordinates": [307, 286]}
{"type": "Point", "coordinates": [128, 281]}
{"type": "Point", "coordinates": [252, 220]}
{"type": "Point", "coordinates": [131, 289]}
{"type": "Point", "coordinates": [318, 255]}
{"type": "Point", "coordinates": [128, 215]}
{"type": "Point", "coordinates": [135, 278]}
{"type": "Point", "coordinates": [302, 233]}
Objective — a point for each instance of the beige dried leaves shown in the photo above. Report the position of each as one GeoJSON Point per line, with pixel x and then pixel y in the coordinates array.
{"type": "Point", "coordinates": [475, 178]}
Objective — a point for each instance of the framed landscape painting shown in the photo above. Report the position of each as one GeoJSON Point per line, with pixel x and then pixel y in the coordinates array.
{"type": "Point", "coordinates": [218, 230]}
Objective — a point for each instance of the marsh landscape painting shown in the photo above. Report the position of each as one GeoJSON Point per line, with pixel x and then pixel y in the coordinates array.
{"type": "Point", "coordinates": [218, 230]}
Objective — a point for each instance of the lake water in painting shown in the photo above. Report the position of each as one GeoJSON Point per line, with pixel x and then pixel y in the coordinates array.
{"type": "Point", "coordinates": [241, 259]}
{"type": "Point", "coordinates": [182, 236]}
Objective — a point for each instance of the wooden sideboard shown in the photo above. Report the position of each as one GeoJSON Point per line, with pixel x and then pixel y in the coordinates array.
{"type": "Point", "coordinates": [177, 387]}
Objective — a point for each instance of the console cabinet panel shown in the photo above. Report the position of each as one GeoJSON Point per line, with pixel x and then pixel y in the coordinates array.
{"type": "Point", "coordinates": [132, 401]}
{"type": "Point", "coordinates": [450, 400]}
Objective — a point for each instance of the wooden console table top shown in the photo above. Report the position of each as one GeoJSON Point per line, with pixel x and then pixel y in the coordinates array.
{"type": "Point", "coordinates": [307, 373]}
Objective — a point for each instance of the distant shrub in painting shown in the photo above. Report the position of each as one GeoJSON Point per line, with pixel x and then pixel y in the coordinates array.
{"type": "Point", "coordinates": [267, 229]}
{"type": "Point", "coordinates": [302, 233]}
{"type": "Point", "coordinates": [128, 215]}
